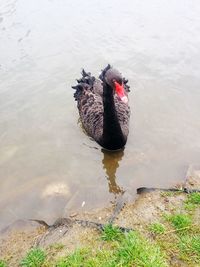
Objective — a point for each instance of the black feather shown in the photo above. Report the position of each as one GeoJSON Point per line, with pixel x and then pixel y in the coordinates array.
{"type": "Point", "coordinates": [85, 82]}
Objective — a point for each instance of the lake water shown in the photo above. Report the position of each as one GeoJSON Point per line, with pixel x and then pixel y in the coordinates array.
{"type": "Point", "coordinates": [48, 166]}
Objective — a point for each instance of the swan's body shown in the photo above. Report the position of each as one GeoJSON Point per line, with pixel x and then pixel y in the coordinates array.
{"type": "Point", "coordinates": [103, 112]}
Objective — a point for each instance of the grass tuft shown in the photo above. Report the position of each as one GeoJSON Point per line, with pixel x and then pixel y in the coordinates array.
{"type": "Point", "coordinates": [132, 250]}
{"type": "Point", "coordinates": [137, 251]}
{"type": "Point", "coordinates": [74, 260]}
{"type": "Point", "coordinates": [189, 243]}
{"type": "Point", "coordinates": [194, 198]}
{"type": "Point", "coordinates": [111, 233]}
{"type": "Point", "coordinates": [2, 263]}
{"type": "Point", "coordinates": [102, 258]}
{"type": "Point", "coordinates": [34, 258]}
{"type": "Point", "coordinates": [192, 201]}
{"type": "Point", "coordinates": [189, 206]}
{"type": "Point", "coordinates": [180, 221]}
{"type": "Point", "coordinates": [157, 228]}
{"type": "Point", "coordinates": [190, 247]}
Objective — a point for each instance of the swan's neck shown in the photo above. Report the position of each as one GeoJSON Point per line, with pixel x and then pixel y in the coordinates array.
{"type": "Point", "coordinates": [112, 134]}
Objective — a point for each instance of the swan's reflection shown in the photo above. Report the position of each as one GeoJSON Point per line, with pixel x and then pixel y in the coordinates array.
{"type": "Point", "coordinates": [110, 164]}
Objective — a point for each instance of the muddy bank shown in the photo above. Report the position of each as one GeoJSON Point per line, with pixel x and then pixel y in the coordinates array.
{"type": "Point", "coordinates": [148, 208]}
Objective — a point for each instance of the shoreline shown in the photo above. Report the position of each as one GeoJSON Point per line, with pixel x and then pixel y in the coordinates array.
{"type": "Point", "coordinates": [148, 209]}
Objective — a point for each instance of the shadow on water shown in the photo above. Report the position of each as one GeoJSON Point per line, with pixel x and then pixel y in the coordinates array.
{"type": "Point", "coordinates": [110, 163]}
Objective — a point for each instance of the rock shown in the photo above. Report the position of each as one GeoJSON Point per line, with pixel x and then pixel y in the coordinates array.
{"type": "Point", "coordinates": [56, 189]}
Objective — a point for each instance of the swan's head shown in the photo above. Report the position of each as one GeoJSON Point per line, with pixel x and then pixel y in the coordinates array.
{"type": "Point", "coordinates": [114, 79]}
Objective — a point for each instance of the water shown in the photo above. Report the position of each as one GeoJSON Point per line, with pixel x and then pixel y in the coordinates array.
{"type": "Point", "coordinates": [48, 166]}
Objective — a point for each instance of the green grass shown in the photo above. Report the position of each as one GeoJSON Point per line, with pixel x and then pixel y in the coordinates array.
{"type": "Point", "coordinates": [192, 201]}
{"type": "Point", "coordinates": [102, 258]}
{"type": "Point", "coordinates": [177, 237]}
{"type": "Point", "coordinates": [132, 250]}
{"type": "Point", "coordinates": [194, 198]}
{"type": "Point", "coordinates": [180, 221]}
{"type": "Point", "coordinates": [174, 242]}
{"type": "Point", "coordinates": [2, 263]}
{"type": "Point", "coordinates": [34, 258]}
{"type": "Point", "coordinates": [182, 242]}
{"type": "Point", "coordinates": [135, 250]}
{"type": "Point", "coordinates": [88, 258]}
{"type": "Point", "coordinates": [190, 248]}
{"type": "Point", "coordinates": [74, 260]}
{"type": "Point", "coordinates": [189, 206]}
{"type": "Point", "coordinates": [111, 233]}
{"type": "Point", "coordinates": [190, 244]}
{"type": "Point", "coordinates": [157, 228]}
{"type": "Point", "coordinates": [118, 249]}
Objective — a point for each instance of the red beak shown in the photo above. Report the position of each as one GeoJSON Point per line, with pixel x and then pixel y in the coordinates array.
{"type": "Point", "coordinates": [120, 92]}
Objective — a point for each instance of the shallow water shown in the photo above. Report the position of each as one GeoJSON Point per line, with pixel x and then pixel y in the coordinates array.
{"type": "Point", "coordinates": [48, 166]}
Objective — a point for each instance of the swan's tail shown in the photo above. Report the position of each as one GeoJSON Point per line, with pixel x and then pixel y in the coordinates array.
{"type": "Point", "coordinates": [84, 83]}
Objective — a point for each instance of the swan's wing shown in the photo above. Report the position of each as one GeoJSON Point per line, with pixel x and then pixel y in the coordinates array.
{"type": "Point", "coordinates": [90, 108]}
{"type": "Point", "coordinates": [98, 87]}
{"type": "Point", "coordinates": [89, 83]}
{"type": "Point", "coordinates": [88, 95]}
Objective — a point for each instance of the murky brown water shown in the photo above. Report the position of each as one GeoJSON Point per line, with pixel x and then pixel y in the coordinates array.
{"type": "Point", "coordinates": [48, 166]}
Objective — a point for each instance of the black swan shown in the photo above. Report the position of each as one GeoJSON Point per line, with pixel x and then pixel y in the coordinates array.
{"type": "Point", "coordinates": [103, 107]}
